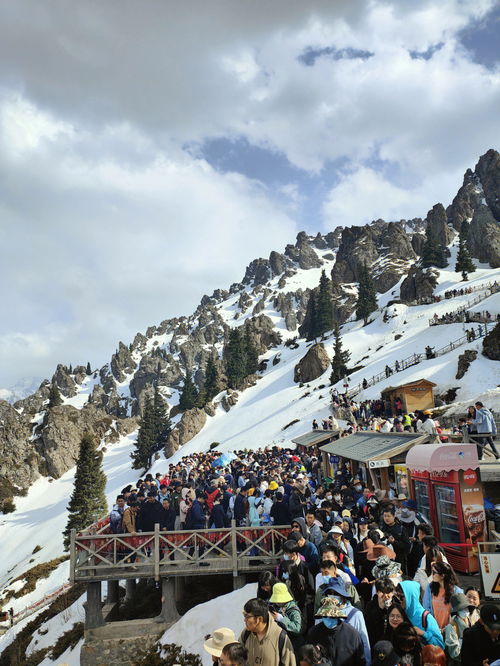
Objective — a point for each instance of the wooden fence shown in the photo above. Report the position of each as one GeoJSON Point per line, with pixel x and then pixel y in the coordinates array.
{"type": "Point", "coordinates": [99, 555]}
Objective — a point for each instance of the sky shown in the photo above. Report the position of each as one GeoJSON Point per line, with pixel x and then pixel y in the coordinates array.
{"type": "Point", "coordinates": [149, 151]}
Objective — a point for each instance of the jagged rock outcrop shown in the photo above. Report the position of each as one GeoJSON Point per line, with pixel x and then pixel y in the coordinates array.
{"type": "Point", "coordinates": [262, 333]}
{"type": "Point", "coordinates": [229, 400]}
{"type": "Point", "coordinates": [258, 272]}
{"type": "Point", "coordinates": [419, 284]}
{"type": "Point", "coordinates": [312, 365]}
{"type": "Point", "coordinates": [292, 306]}
{"type": "Point", "coordinates": [488, 170]}
{"type": "Point", "coordinates": [19, 461]}
{"type": "Point", "coordinates": [64, 381]}
{"type": "Point", "coordinates": [332, 238]}
{"type": "Point", "coordinates": [122, 362]}
{"type": "Point", "coordinates": [319, 242]}
{"type": "Point", "coordinates": [464, 361]}
{"type": "Point", "coordinates": [33, 404]}
{"type": "Point", "coordinates": [191, 424]}
{"type": "Point", "coordinates": [484, 237]}
{"type": "Point", "coordinates": [417, 243]}
{"type": "Point", "coordinates": [60, 440]}
{"type": "Point", "coordinates": [384, 246]}
{"type": "Point", "coordinates": [467, 199]}
{"type": "Point", "coordinates": [302, 253]}
{"type": "Point", "coordinates": [437, 220]}
{"type": "Point", "coordinates": [491, 344]}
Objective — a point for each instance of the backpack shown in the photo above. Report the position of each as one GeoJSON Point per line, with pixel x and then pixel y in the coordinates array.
{"type": "Point", "coordinates": [425, 615]}
{"type": "Point", "coordinates": [281, 642]}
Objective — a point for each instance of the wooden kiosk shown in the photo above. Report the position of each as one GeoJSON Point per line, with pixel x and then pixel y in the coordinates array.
{"type": "Point", "coordinates": [414, 395]}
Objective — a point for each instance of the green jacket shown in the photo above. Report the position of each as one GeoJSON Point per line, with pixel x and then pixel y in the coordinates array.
{"type": "Point", "coordinates": [292, 618]}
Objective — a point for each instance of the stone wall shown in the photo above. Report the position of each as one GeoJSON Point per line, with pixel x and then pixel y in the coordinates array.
{"type": "Point", "coordinates": [119, 643]}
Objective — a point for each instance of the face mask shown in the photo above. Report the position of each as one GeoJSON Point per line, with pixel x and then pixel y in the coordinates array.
{"type": "Point", "coordinates": [358, 487]}
{"type": "Point", "coordinates": [286, 557]}
{"type": "Point", "coordinates": [328, 497]}
{"type": "Point", "coordinates": [326, 579]}
{"type": "Point", "coordinates": [285, 575]}
{"type": "Point", "coordinates": [337, 498]}
{"type": "Point", "coordinates": [330, 622]}
{"type": "Point", "coordinates": [463, 613]}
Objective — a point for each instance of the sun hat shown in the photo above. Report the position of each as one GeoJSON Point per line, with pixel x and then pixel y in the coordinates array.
{"type": "Point", "coordinates": [346, 513]}
{"type": "Point", "coordinates": [384, 568]}
{"type": "Point", "coordinates": [375, 551]}
{"type": "Point", "coordinates": [402, 496]}
{"type": "Point", "coordinates": [332, 607]}
{"type": "Point", "coordinates": [273, 485]}
{"type": "Point", "coordinates": [459, 602]}
{"type": "Point", "coordinates": [383, 654]}
{"type": "Point", "coordinates": [407, 516]}
{"type": "Point", "coordinates": [281, 594]}
{"type": "Point", "coordinates": [218, 641]}
{"type": "Point", "coordinates": [336, 530]}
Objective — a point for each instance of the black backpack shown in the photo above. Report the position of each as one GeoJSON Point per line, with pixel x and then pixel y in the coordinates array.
{"type": "Point", "coordinates": [188, 523]}
{"type": "Point", "coordinates": [281, 642]}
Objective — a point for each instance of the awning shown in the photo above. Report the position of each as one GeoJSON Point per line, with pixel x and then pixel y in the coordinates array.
{"type": "Point", "coordinates": [442, 457]}
{"type": "Point", "coordinates": [315, 437]}
{"type": "Point", "coordinates": [367, 445]}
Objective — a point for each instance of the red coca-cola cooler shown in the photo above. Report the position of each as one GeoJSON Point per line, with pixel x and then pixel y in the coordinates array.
{"type": "Point", "coordinates": [446, 486]}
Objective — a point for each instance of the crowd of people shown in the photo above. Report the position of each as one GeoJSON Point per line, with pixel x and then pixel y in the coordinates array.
{"type": "Point", "coordinates": [454, 293]}
{"type": "Point", "coordinates": [362, 579]}
{"type": "Point", "coordinates": [463, 316]}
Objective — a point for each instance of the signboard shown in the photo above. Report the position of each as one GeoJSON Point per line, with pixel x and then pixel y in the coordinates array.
{"type": "Point", "coordinates": [401, 477]}
{"type": "Point", "coordinates": [471, 494]}
{"type": "Point", "coordinates": [375, 464]}
{"type": "Point", "coordinates": [490, 572]}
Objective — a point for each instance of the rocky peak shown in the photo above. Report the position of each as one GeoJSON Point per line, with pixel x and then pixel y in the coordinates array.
{"type": "Point", "coordinates": [258, 272]}
{"type": "Point", "coordinates": [438, 222]}
{"type": "Point", "coordinates": [122, 362]}
{"type": "Point", "coordinates": [302, 253]}
{"type": "Point", "coordinates": [64, 381]}
{"type": "Point", "coordinates": [488, 170]}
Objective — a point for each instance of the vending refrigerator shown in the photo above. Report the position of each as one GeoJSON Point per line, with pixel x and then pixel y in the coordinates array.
{"type": "Point", "coordinates": [454, 503]}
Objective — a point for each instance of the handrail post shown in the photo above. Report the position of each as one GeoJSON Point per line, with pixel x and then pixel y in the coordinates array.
{"type": "Point", "coordinates": [72, 557]}
{"type": "Point", "coordinates": [156, 550]}
{"type": "Point", "coordinates": [234, 547]}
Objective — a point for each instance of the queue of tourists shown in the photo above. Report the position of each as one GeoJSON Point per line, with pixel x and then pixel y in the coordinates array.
{"type": "Point", "coordinates": [362, 579]}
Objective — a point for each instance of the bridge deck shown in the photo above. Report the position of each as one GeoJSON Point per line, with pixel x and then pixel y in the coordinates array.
{"type": "Point", "coordinates": [102, 555]}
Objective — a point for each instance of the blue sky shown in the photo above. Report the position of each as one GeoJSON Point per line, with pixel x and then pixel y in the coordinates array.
{"type": "Point", "coordinates": [147, 157]}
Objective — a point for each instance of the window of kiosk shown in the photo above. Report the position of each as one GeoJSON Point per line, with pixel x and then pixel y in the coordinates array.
{"type": "Point", "coordinates": [422, 498]}
{"type": "Point", "coordinates": [446, 510]}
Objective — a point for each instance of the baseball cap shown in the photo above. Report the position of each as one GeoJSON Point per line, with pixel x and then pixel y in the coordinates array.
{"type": "Point", "coordinates": [490, 615]}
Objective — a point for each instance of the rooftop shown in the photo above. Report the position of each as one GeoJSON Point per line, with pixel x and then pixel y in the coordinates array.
{"type": "Point", "coordinates": [365, 446]}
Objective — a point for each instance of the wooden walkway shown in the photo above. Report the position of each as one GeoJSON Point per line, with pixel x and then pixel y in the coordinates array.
{"type": "Point", "coordinates": [98, 555]}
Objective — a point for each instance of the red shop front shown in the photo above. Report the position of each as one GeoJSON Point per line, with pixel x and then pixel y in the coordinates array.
{"type": "Point", "coordinates": [446, 486]}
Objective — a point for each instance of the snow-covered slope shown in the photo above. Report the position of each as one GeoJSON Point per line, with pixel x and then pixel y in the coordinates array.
{"type": "Point", "coordinates": [262, 411]}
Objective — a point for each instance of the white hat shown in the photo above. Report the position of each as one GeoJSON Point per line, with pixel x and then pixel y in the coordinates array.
{"type": "Point", "coordinates": [218, 641]}
{"type": "Point", "coordinates": [336, 530]}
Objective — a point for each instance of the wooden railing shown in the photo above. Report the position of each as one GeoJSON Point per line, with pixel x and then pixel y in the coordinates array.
{"type": "Point", "coordinates": [106, 556]}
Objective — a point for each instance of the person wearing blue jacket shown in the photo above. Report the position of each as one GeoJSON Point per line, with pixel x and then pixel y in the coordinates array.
{"type": "Point", "coordinates": [424, 623]}
{"type": "Point", "coordinates": [308, 551]}
{"type": "Point", "coordinates": [197, 515]}
{"type": "Point", "coordinates": [485, 424]}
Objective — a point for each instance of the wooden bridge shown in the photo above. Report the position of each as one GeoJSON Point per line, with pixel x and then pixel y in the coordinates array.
{"type": "Point", "coordinates": [97, 555]}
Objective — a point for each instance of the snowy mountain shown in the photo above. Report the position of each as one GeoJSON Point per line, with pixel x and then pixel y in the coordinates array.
{"type": "Point", "coordinates": [39, 440]}
{"type": "Point", "coordinates": [21, 389]}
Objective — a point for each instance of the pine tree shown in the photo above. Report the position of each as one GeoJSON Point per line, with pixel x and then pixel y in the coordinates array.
{"type": "Point", "coordinates": [367, 296]}
{"type": "Point", "coordinates": [88, 500]}
{"type": "Point", "coordinates": [189, 394]}
{"type": "Point", "coordinates": [146, 438]}
{"type": "Point", "coordinates": [464, 264]}
{"type": "Point", "coordinates": [210, 385]}
{"type": "Point", "coordinates": [309, 327]}
{"type": "Point", "coordinates": [324, 310]}
{"type": "Point", "coordinates": [54, 396]}
{"type": "Point", "coordinates": [235, 357]}
{"type": "Point", "coordinates": [340, 358]}
{"type": "Point", "coordinates": [251, 354]}
{"type": "Point", "coordinates": [433, 253]}
{"type": "Point", "coordinates": [89, 369]}
{"type": "Point", "coordinates": [161, 423]}
{"type": "Point", "coordinates": [70, 369]}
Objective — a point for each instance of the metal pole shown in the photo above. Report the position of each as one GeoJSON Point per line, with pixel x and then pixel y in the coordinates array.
{"type": "Point", "coordinates": [156, 550]}
{"type": "Point", "coordinates": [72, 557]}
{"type": "Point", "coordinates": [234, 547]}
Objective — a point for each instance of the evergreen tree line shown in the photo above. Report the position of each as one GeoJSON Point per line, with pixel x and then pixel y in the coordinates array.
{"type": "Point", "coordinates": [153, 431]}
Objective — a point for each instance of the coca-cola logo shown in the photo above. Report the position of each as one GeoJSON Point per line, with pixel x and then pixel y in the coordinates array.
{"type": "Point", "coordinates": [475, 518]}
{"type": "Point", "coordinates": [470, 477]}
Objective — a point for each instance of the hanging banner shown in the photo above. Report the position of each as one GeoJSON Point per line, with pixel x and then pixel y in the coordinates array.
{"type": "Point", "coordinates": [471, 493]}
{"type": "Point", "coordinates": [401, 478]}
{"type": "Point", "coordinates": [490, 573]}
